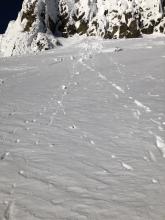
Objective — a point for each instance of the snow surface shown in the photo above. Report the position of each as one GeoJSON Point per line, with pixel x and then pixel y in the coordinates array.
{"type": "Point", "coordinates": [82, 132]}
{"type": "Point", "coordinates": [40, 22]}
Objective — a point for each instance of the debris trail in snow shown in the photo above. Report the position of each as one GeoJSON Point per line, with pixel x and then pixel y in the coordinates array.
{"type": "Point", "coordinates": [75, 141]}
{"type": "Point", "coordinates": [64, 94]}
{"type": "Point", "coordinates": [139, 104]}
{"type": "Point", "coordinates": [8, 214]}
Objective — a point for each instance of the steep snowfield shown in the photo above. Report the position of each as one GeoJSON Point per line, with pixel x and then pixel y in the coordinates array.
{"type": "Point", "coordinates": [82, 132]}
{"type": "Point", "coordinates": [40, 22]}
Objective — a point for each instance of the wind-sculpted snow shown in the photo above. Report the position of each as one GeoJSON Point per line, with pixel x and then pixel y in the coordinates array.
{"type": "Point", "coordinates": [40, 22]}
{"type": "Point", "coordinates": [82, 132]}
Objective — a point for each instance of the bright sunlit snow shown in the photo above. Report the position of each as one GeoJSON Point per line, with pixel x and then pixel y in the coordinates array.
{"type": "Point", "coordinates": [82, 132]}
{"type": "Point", "coordinates": [40, 22]}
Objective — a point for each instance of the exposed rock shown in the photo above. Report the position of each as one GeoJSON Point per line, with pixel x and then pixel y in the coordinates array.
{"type": "Point", "coordinates": [83, 27]}
{"type": "Point", "coordinates": [30, 16]}
{"type": "Point", "coordinates": [148, 29]}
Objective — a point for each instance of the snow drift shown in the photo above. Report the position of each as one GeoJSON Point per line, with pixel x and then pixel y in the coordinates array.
{"type": "Point", "coordinates": [41, 21]}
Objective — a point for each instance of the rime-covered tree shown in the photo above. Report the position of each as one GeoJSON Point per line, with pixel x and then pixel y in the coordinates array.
{"type": "Point", "coordinates": [63, 17]}
{"type": "Point", "coordinates": [40, 21]}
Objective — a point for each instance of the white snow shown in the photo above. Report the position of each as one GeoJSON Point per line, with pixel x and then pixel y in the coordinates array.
{"type": "Point", "coordinates": [161, 145]}
{"type": "Point", "coordinates": [75, 142]}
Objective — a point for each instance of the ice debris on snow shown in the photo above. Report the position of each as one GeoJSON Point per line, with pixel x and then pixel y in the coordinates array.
{"type": "Point", "coordinates": [152, 156]}
{"type": "Point", "coordinates": [118, 88]}
{"type": "Point", "coordinates": [137, 114]}
{"type": "Point", "coordinates": [36, 142]}
{"type": "Point", "coordinates": [92, 142]}
{"type": "Point", "coordinates": [139, 104]}
{"type": "Point", "coordinates": [59, 102]}
{"type": "Point", "coordinates": [8, 214]}
{"type": "Point", "coordinates": [118, 49]}
{"type": "Point", "coordinates": [21, 172]}
{"type": "Point", "coordinates": [154, 181]}
{"type": "Point", "coordinates": [113, 156]}
{"type": "Point", "coordinates": [2, 81]}
{"type": "Point", "coordinates": [64, 87]}
{"type": "Point", "coordinates": [160, 145]}
{"type": "Point", "coordinates": [51, 145]}
{"type": "Point", "coordinates": [145, 158]}
{"type": "Point", "coordinates": [4, 155]}
{"type": "Point", "coordinates": [27, 128]}
{"type": "Point", "coordinates": [17, 141]}
{"type": "Point", "coordinates": [102, 76]}
{"type": "Point", "coordinates": [72, 126]}
{"type": "Point", "coordinates": [127, 166]}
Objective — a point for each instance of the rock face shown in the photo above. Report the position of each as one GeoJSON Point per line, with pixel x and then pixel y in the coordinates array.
{"type": "Point", "coordinates": [40, 22]}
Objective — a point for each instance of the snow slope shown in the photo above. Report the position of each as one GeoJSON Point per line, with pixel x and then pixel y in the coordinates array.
{"type": "Point", "coordinates": [40, 22]}
{"type": "Point", "coordinates": [82, 132]}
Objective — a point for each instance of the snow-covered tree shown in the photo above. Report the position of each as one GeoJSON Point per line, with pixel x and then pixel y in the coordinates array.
{"type": "Point", "coordinates": [40, 21]}
{"type": "Point", "coordinates": [63, 17]}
